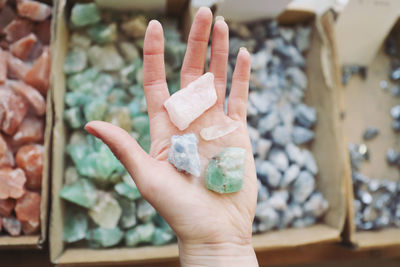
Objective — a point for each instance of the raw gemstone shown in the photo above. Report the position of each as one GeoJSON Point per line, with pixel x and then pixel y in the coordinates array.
{"type": "Point", "coordinates": [12, 110]}
{"type": "Point", "coordinates": [140, 234]}
{"type": "Point", "coordinates": [31, 95]}
{"type": "Point", "coordinates": [12, 183]}
{"type": "Point", "coordinates": [183, 153]}
{"type": "Point", "coordinates": [301, 135]}
{"type": "Point", "coordinates": [22, 48]}
{"type": "Point", "coordinates": [268, 123]}
{"type": "Point", "coordinates": [105, 58]}
{"type": "Point", "coordinates": [145, 211]}
{"type": "Point", "coordinates": [262, 194]}
{"type": "Point", "coordinates": [17, 29]}
{"type": "Point", "coordinates": [80, 40]}
{"type": "Point", "coordinates": [294, 154]}
{"type": "Point", "coordinates": [189, 103]}
{"type": "Point", "coordinates": [303, 222]}
{"type": "Point", "coordinates": [30, 159]}
{"type": "Point", "coordinates": [103, 33]}
{"type": "Point", "coordinates": [75, 225]}
{"type": "Point", "coordinates": [33, 10]}
{"type": "Point", "coordinates": [6, 206]}
{"type": "Point", "coordinates": [29, 131]}
{"type": "Point", "coordinates": [103, 84]}
{"type": "Point", "coordinates": [127, 190]}
{"type": "Point", "coordinates": [278, 200]}
{"type": "Point", "coordinates": [303, 186]}
{"type": "Point", "coordinates": [3, 66]}
{"type": "Point", "coordinates": [11, 225]}
{"type": "Point", "coordinates": [290, 175]}
{"type": "Point", "coordinates": [76, 98]}
{"type": "Point", "coordinates": [28, 211]}
{"type": "Point", "coordinates": [95, 110]}
{"type": "Point", "coordinates": [316, 205]}
{"type": "Point", "coordinates": [395, 112]}
{"type": "Point", "coordinates": [267, 216]}
{"type": "Point", "coordinates": [305, 116]}
{"type": "Point", "coordinates": [135, 27]}
{"type": "Point", "coordinates": [85, 14]}
{"type": "Point", "coordinates": [225, 170]}
{"type": "Point", "coordinates": [70, 175]}
{"type": "Point", "coordinates": [82, 193]}
{"type": "Point", "coordinates": [38, 76]}
{"type": "Point", "coordinates": [279, 159]}
{"type": "Point", "coordinates": [309, 162]}
{"type": "Point", "coordinates": [107, 212]}
{"type": "Point", "coordinates": [392, 156]}
{"type": "Point", "coordinates": [104, 237]}
{"type": "Point", "coordinates": [129, 51]}
{"type": "Point", "coordinates": [370, 133]}
{"type": "Point", "coordinates": [263, 147]}
{"type": "Point", "coordinates": [269, 174]}
{"type": "Point", "coordinates": [120, 116]}
{"type": "Point", "coordinates": [83, 81]}
{"type": "Point", "coordinates": [281, 135]}
{"type": "Point", "coordinates": [128, 217]}
{"type": "Point", "coordinates": [296, 77]}
{"type": "Point", "coordinates": [6, 154]}
{"type": "Point", "coordinates": [161, 237]}
{"type": "Point", "coordinates": [73, 116]}
{"type": "Point", "coordinates": [75, 61]}
{"type": "Point", "coordinates": [16, 68]}
{"type": "Point", "coordinates": [220, 130]}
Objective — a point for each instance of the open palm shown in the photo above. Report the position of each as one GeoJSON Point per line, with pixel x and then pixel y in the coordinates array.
{"type": "Point", "coordinates": [196, 214]}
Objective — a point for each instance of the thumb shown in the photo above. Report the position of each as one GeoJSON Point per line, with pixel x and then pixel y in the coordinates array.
{"type": "Point", "coordinates": [126, 149]}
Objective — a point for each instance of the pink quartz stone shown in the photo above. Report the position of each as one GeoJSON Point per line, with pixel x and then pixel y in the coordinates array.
{"type": "Point", "coordinates": [6, 155]}
{"type": "Point", "coordinates": [30, 131]}
{"type": "Point", "coordinates": [6, 206]}
{"type": "Point", "coordinates": [27, 210]}
{"type": "Point", "coordinates": [16, 67]}
{"type": "Point", "coordinates": [38, 75]}
{"type": "Point", "coordinates": [17, 29]}
{"type": "Point", "coordinates": [42, 31]}
{"type": "Point", "coordinates": [12, 225]}
{"type": "Point", "coordinates": [31, 95]}
{"type": "Point", "coordinates": [33, 10]}
{"type": "Point", "coordinates": [3, 66]}
{"type": "Point", "coordinates": [12, 183]}
{"type": "Point", "coordinates": [23, 47]}
{"type": "Point", "coordinates": [12, 110]}
{"type": "Point", "coordinates": [189, 103]}
{"type": "Point", "coordinates": [30, 159]}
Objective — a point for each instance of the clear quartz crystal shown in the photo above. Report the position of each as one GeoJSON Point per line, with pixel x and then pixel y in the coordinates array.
{"type": "Point", "coordinates": [219, 130]}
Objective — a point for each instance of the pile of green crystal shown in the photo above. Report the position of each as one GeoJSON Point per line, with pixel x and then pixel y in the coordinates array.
{"type": "Point", "coordinates": [103, 69]}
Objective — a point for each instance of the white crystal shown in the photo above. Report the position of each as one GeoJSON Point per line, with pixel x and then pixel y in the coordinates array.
{"type": "Point", "coordinates": [189, 103]}
{"type": "Point", "coordinates": [220, 130]}
{"type": "Point", "coordinates": [183, 153]}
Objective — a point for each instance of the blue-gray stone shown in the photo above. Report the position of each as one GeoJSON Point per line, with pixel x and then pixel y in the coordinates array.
{"type": "Point", "coordinates": [301, 135]}
{"type": "Point", "coordinates": [309, 162]}
{"type": "Point", "coordinates": [278, 200]}
{"type": "Point", "coordinates": [370, 133]}
{"type": "Point", "coordinates": [183, 153]}
{"type": "Point", "coordinates": [290, 175]}
{"type": "Point", "coordinates": [281, 135]}
{"type": "Point", "coordinates": [296, 77]}
{"type": "Point", "coordinates": [395, 112]}
{"type": "Point", "coordinates": [294, 154]}
{"type": "Point", "coordinates": [305, 116]}
{"type": "Point", "coordinates": [279, 159]}
{"type": "Point", "coordinates": [269, 174]}
{"type": "Point", "coordinates": [316, 205]}
{"type": "Point", "coordinates": [268, 218]}
{"type": "Point", "coordinates": [268, 122]}
{"type": "Point", "coordinates": [263, 193]}
{"type": "Point", "coordinates": [303, 186]}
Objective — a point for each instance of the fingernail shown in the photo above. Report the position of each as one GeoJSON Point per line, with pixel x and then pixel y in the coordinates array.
{"type": "Point", "coordinates": [152, 21]}
{"type": "Point", "coordinates": [217, 18]}
{"type": "Point", "coordinates": [243, 49]}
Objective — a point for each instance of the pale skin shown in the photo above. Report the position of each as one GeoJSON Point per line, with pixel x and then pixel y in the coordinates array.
{"type": "Point", "coordinates": [212, 229]}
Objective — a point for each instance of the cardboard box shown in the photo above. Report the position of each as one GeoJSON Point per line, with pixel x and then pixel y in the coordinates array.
{"type": "Point", "coordinates": [323, 75]}
{"type": "Point", "coordinates": [36, 241]}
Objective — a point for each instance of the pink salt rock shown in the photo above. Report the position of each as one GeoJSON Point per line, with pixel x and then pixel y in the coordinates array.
{"type": "Point", "coordinates": [7, 14]}
{"type": "Point", "coordinates": [6, 206]}
{"type": "Point", "coordinates": [16, 67]}
{"type": "Point", "coordinates": [33, 10]}
{"type": "Point", "coordinates": [189, 103]}
{"type": "Point", "coordinates": [6, 155]}
{"type": "Point", "coordinates": [38, 75]}
{"type": "Point", "coordinates": [30, 159]}
{"type": "Point", "coordinates": [3, 66]}
{"type": "Point", "coordinates": [42, 31]}
{"type": "Point", "coordinates": [12, 183]}
{"type": "Point", "coordinates": [27, 210]}
{"type": "Point", "coordinates": [30, 131]}
{"type": "Point", "coordinates": [12, 110]}
{"type": "Point", "coordinates": [2, 3]}
{"type": "Point", "coordinates": [12, 225]}
{"type": "Point", "coordinates": [17, 29]}
{"type": "Point", "coordinates": [23, 47]}
{"type": "Point", "coordinates": [31, 95]}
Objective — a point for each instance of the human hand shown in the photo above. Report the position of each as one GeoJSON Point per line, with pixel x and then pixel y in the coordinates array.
{"type": "Point", "coordinates": [212, 229]}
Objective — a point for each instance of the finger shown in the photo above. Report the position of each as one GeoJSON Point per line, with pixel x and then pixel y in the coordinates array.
{"type": "Point", "coordinates": [237, 102]}
{"type": "Point", "coordinates": [219, 58]}
{"type": "Point", "coordinates": [126, 149]}
{"type": "Point", "coordinates": [193, 63]}
{"type": "Point", "coordinates": [154, 81]}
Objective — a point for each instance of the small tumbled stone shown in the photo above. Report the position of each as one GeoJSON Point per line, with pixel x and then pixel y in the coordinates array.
{"type": "Point", "coordinates": [294, 154]}
{"type": "Point", "coordinates": [392, 156]}
{"type": "Point", "coordinates": [225, 170]}
{"type": "Point", "coordinates": [316, 205]}
{"type": "Point", "coordinates": [263, 147]}
{"type": "Point", "coordinates": [306, 116]}
{"type": "Point", "coordinates": [309, 162]}
{"type": "Point", "coordinates": [370, 133]}
{"type": "Point", "coordinates": [183, 154]}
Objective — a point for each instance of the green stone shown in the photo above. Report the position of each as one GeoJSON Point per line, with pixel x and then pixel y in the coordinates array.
{"type": "Point", "coordinates": [119, 116]}
{"type": "Point", "coordinates": [141, 124]}
{"type": "Point", "coordinates": [83, 81]}
{"type": "Point", "coordinates": [74, 118]}
{"type": "Point", "coordinates": [135, 108]}
{"type": "Point", "coordinates": [70, 175]}
{"type": "Point", "coordinates": [140, 234]}
{"type": "Point", "coordinates": [77, 151]}
{"type": "Point", "coordinates": [75, 225]}
{"type": "Point", "coordinates": [225, 171]}
{"type": "Point", "coordinates": [128, 218]}
{"type": "Point", "coordinates": [118, 97]}
{"type": "Point", "coordinates": [145, 211]}
{"type": "Point", "coordinates": [85, 14]}
{"type": "Point", "coordinates": [135, 27]}
{"type": "Point", "coordinates": [105, 57]}
{"type": "Point", "coordinates": [77, 138]}
{"type": "Point", "coordinates": [161, 237]}
{"type": "Point", "coordinates": [103, 84]}
{"type": "Point", "coordinates": [103, 33]}
{"type": "Point", "coordinates": [100, 237]}
{"type": "Point", "coordinates": [76, 98]}
{"type": "Point", "coordinates": [95, 110]}
{"type": "Point", "coordinates": [161, 223]}
{"type": "Point", "coordinates": [82, 193]}
{"type": "Point", "coordinates": [75, 61]}
{"type": "Point", "coordinates": [127, 191]}
{"type": "Point", "coordinates": [106, 212]}
{"type": "Point", "coordinates": [78, 39]}
{"type": "Point", "coordinates": [129, 51]}
{"type": "Point", "coordinates": [136, 90]}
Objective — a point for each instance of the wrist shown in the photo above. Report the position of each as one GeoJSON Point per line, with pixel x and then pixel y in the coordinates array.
{"type": "Point", "coordinates": [217, 254]}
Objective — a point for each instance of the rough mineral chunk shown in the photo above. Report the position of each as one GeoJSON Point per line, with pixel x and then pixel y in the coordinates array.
{"type": "Point", "coordinates": [105, 58]}
{"type": "Point", "coordinates": [28, 212]}
{"type": "Point", "coordinates": [140, 234]}
{"type": "Point", "coordinates": [17, 29]}
{"type": "Point", "coordinates": [33, 10]}
{"type": "Point", "coordinates": [23, 46]}
{"type": "Point", "coordinates": [183, 154]}
{"type": "Point", "coordinates": [38, 75]}
{"type": "Point", "coordinates": [101, 237]}
{"type": "Point", "coordinates": [106, 212]}
{"type": "Point", "coordinates": [128, 217]}
{"type": "Point", "coordinates": [85, 14]}
{"type": "Point", "coordinates": [303, 186]}
{"type": "Point", "coordinates": [31, 95]}
{"type": "Point", "coordinates": [225, 171]}
{"type": "Point", "coordinates": [82, 193]}
{"type": "Point", "coordinates": [75, 61]}
{"type": "Point", "coordinates": [145, 211]}
{"type": "Point", "coordinates": [29, 131]}
{"type": "Point", "coordinates": [217, 131]}
{"type": "Point", "coordinates": [189, 103]}
{"type": "Point", "coordinates": [135, 27]}
{"type": "Point", "coordinates": [103, 33]}
{"type": "Point", "coordinates": [12, 183]}
{"type": "Point", "coordinates": [11, 225]}
{"type": "Point", "coordinates": [75, 225]}
{"type": "Point", "coordinates": [6, 155]}
{"type": "Point", "coordinates": [16, 68]}
{"type": "Point", "coordinates": [30, 159]}
{"type": "Point", "coordinates": [12, 110]}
